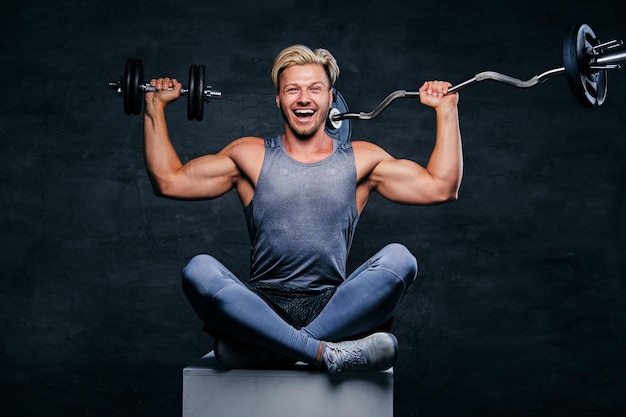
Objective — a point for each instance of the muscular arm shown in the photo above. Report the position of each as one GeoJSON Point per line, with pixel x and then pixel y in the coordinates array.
{"type": "Point", "coordinates": [204, 177]}
{"type": "Point", "coordinates": [407, 182]}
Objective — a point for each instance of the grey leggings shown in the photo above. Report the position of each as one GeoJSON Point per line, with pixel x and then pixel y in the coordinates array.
{"type": "Point", "coordinates": [365, 300]}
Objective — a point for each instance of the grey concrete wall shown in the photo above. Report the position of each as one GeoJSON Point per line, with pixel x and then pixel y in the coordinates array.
{"type": "Point", "coordinates": [519, 307]}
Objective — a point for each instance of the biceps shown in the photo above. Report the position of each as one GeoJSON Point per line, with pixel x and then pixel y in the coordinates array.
{"type": "Point", "coordinates": [203, 178]}
{"type": "Point", "coordinates": [406, 182]}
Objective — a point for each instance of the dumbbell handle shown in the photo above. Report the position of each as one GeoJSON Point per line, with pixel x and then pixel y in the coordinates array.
{"type": "Point", "coordinates": [147, 88]}
{"type": "Point", "coordinates": [208, 93]}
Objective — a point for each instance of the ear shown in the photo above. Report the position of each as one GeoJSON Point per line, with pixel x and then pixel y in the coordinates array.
{"type": "Point", "coordinates": [277, 101]}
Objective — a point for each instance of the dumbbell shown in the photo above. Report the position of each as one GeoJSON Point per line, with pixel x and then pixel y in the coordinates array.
{"type": "Point", "coordinates": [132, 88]}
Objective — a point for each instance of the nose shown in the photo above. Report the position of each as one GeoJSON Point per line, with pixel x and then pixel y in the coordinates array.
{"type": "Point", "coordinates": [303, 97]}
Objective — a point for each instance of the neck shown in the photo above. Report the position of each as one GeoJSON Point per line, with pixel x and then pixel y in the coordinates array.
{"type": "Point", "coordinates": [311, 149]}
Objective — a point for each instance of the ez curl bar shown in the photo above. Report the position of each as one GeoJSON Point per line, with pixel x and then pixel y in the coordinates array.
{"type": "Point", "coordinates": [585, 64]}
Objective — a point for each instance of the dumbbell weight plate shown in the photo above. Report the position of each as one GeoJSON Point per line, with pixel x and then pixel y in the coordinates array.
{"type": "Point", "coordinates": [137, 82]}
{"type": "Point", "coordinates": [198, 95]}
{"type": "Point", "coordinates": [587, 85]}
{"type": "Point", "coordinates": [191, 103]}
{"type": "Point", "coordinates": [127, 86]}
{"type": "Point", "coordinates": [343, 132]}
{"type": "Point", "coordinates": [133, 78]}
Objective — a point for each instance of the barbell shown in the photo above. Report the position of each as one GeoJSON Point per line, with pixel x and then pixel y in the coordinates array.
{"type": "Point", "coordinates": [132, 88]}
{"type": "Point", "coordinates": [585, 64]}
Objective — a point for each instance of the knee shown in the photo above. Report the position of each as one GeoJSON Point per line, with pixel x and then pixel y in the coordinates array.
{"type": "Point", "coordinates": [195, 268]}
{"type": "Point", "coordinates": [397, 258]}
{"type": "Point", "coordinates": [197, 274]}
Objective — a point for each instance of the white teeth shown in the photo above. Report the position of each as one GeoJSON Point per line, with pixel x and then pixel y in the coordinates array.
{"type": "Point", "coordinates": [303, 112]}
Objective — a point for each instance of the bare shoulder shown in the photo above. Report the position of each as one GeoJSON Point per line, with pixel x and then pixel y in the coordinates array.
{"type": "Point", "coordinates": [246, 149]}
{"type": "Point", "coordinates": [247, 145]}
{"type": "Point", "coordinates": [247, 153]}
{"type": "Point", "coordinates": [366, 149]}
{"type": "Point", "coordinates": [367, 156]}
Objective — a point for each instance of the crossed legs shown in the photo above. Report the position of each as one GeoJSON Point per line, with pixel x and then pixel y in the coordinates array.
{"type": "Point", "coordinates": [365, 300]}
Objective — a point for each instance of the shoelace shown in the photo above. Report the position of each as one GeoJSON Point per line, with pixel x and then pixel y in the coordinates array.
{"type": "Point", "coordinates": [343, 358]}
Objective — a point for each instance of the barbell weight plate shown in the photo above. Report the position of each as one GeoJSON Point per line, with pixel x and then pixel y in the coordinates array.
{"type": "Point", "coordinates": [199, 94]}
{"type": "Point", "coordinates": [136, 92]}
{"type": "Point", "coordinates": [191, 103]}
{"type": "Point", "coordinates": [587, 85]}
{"type": "Point", "coordinates": [127, 86]}
{"type": "Point", "coordinates": [343, 132]}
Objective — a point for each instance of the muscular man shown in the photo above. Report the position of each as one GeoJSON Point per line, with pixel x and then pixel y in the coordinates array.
{"type": "Point", "coordinates": [302, 194]}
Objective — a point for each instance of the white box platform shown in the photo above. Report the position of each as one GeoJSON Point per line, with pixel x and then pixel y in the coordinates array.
{"type": "Point", "coordinates": [209, 390]}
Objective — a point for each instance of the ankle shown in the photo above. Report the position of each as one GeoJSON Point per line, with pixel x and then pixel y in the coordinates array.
{"type": "Point", "coordinates": [320, 352]}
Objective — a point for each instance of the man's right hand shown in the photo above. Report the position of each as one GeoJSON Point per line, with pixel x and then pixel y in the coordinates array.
{"type": "Point", "coordinates": [168, 90]}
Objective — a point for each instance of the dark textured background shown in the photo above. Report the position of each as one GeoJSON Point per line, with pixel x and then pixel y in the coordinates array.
{"type": "Point", "coordinates": [519, 309]}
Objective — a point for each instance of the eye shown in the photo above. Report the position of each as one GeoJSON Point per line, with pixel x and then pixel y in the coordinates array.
{"type": "Point", "coordinates": [292, 90]}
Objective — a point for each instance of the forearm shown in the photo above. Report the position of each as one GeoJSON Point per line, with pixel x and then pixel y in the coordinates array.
{"type": "Point", "coordinates": [161, 159]}
{"type": "Point", "coordinates": [446, 161]}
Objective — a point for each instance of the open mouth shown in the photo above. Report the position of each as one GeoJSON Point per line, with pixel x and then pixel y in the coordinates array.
{"type": "Point", "coordinates": [304, 115]}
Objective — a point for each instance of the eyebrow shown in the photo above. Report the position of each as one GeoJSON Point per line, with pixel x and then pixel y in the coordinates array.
{"type": "Point", "coordinates": [309, 85]}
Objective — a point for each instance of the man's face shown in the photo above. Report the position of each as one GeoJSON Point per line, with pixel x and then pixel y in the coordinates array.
{"type": "Point", "coordinates": [304, 97]}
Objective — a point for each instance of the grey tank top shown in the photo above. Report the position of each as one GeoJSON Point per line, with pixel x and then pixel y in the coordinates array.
{"type": "Point", "coordinates": [302, 217]}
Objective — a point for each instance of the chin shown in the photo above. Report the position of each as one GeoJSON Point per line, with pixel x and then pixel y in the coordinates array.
{"type": "Point", "coordinates": [304, 133]}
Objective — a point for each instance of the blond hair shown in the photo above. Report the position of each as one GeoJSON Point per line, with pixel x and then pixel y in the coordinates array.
{"type": "Point", "coordinates": [302, 55]}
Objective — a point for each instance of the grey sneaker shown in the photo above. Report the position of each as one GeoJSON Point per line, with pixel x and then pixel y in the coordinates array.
{"type": "Point", "coordinates": [377, 352]}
